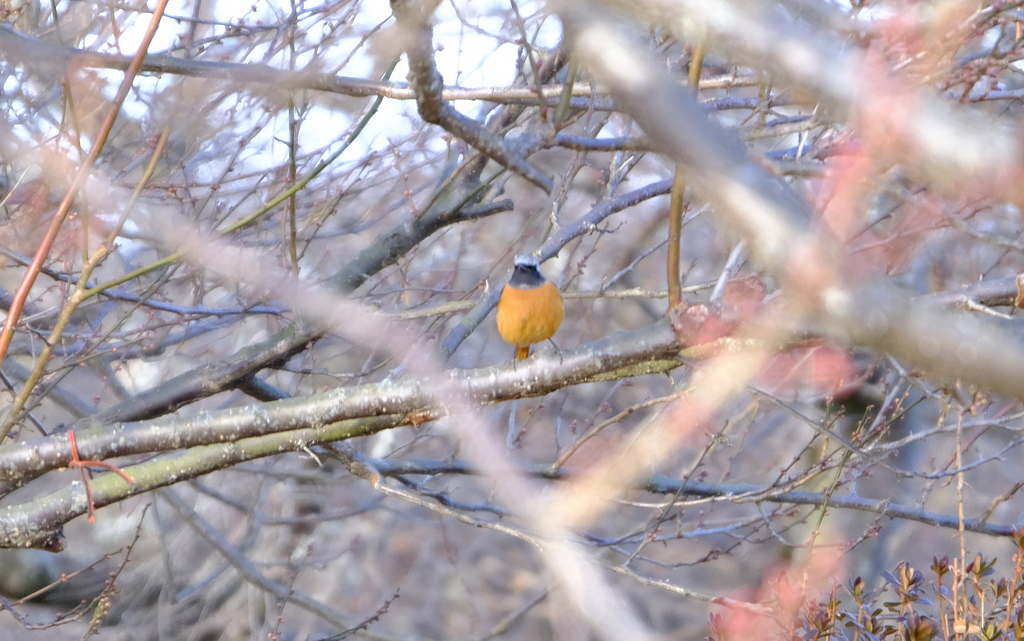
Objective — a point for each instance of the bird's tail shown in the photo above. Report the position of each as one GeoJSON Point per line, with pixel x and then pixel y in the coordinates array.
{"type": "Point", "coordinates": [522, 352]}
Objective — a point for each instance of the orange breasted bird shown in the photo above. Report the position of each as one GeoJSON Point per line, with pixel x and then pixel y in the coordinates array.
{"type": "Point", "coordinates": [530, 309]}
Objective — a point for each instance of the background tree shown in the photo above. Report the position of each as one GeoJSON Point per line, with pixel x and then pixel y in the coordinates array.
{"type": "Point", "coordinates": [251, 254]}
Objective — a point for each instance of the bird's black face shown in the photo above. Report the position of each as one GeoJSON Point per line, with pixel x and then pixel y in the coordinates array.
{"type": "Point", "coordinates": [526, 276]}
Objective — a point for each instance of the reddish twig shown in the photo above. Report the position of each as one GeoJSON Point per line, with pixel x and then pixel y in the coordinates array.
{"type": "Point", "coordinates": [76, 461]}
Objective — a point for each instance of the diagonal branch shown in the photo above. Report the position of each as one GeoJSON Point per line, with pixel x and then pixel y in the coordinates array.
{"type": "Point", "coordinates": [414, 20]}
{"type": "Point", "coordinates": [242, 434]}
{"type": "Point", "coordinates": [212, 378]}
{"type": "Point", "coordinates": [781, 231]}
{"type": "Point", "coordinates": [649, 350]}
{"type": "Point", "coordinates": [952, 146]}
{"type": "Point", "coordinates": [68, 201]}
{"type": "Point", "coordinates": [249, 570]}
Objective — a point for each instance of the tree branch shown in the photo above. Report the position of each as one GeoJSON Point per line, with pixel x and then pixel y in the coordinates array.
{"type": "Point", "coordinates": [228, 437]}
{"type": "Point", "coordinates": [22, 49]}
{"type": "Point", "coordinates": [781, 231]}
{"type": "Point", "coordinates": [734, 492]}
{"type": "Point", "coordinates": [413, 18]}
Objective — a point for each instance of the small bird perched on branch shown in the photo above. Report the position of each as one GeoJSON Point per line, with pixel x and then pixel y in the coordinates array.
{"type": "Point", "coordinates": [530, 309]}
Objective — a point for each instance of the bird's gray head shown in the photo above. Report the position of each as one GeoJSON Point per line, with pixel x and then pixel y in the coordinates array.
{"type": "Point", "coordinates": [526, 274]}
{"type": "Point", "coordinates": [527, 260]}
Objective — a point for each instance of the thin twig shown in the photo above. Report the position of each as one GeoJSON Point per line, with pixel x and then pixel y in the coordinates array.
{"type": "Point", "coordinates": [14, 313]}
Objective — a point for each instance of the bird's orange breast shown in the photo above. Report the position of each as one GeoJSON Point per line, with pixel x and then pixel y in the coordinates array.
{"type": "Point", "coordinates": [528, 316]}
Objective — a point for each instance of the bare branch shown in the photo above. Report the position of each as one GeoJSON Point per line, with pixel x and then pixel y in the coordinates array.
{"type": "Point", "coordinates": [650, 350]}
{"type": "Point", "coordinates": [778, 226]}
{"type": "Point", "coordinates": [414, 18]}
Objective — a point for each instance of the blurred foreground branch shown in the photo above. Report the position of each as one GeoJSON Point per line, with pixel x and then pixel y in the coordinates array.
{"type": "Point", "coordinates": [781, 231]}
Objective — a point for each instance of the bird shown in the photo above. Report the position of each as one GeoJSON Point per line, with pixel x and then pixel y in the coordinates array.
{"type": "Point", "coordinates": [530, 308]}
